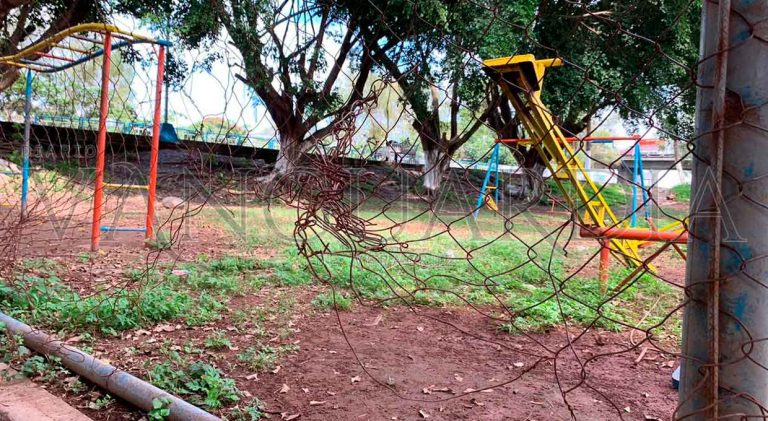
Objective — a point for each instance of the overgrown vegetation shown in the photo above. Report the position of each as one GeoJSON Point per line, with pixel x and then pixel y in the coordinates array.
{"type": "Point", "coordinates": [682, 192]}
{"type": "Point", "coordinates": [39, 297]}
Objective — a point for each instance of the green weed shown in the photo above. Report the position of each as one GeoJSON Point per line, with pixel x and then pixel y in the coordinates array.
{"type": "Point", "coordinates": [200, 382]}
{"type": "Point", "coordinates": [332, 300]}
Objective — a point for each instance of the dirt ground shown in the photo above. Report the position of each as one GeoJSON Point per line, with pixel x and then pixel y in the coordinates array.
{"type": "Point", "coordinates": [396, 363]}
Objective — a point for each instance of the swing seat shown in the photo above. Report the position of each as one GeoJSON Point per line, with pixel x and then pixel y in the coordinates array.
{"type": "Point", "coordinates": [168, 133]}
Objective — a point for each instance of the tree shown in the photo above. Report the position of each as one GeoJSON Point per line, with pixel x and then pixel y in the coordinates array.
{"type": "Point", "coordinates": [635, 58]}
{"type": "Point", "coordinates": [438, 68]}
{"type": "Point", "coordinates": [23, 22]}
{"type": "Point", "coordinates": [75, 92]}
{"type": "Point", "coordinates": [287, 59]}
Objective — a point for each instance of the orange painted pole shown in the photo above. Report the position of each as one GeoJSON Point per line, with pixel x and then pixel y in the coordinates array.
{"type": "Point", "coordinates": [101, 143]}
{"type": "Point", "coordinates": [634, 234]}
{"type": "Point", "coordinates": [155, 143]}
{"type": "Point", "coordinates": [605, 261]}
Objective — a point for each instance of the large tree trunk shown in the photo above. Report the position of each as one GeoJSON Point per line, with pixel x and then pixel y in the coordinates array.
{"type": "Point", "coordinates": [436, 164]}
{"type": "Point", "coordinates": [292, 146]}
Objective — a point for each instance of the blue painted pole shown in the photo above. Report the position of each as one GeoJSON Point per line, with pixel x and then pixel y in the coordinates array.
{"type": "Point", "coordinates": [633, 222]}
{"type": "Point", "coordinates": [496, 163]}
{"type": "Point", "coordinates": [481, 197]}
{"type": "Point", "coordinates": [25, 148]}
{"type": "Point", "coordinates": [641, 171]}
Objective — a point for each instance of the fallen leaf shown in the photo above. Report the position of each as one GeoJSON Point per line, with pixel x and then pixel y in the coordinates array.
{"type": "Point", "coordinates": [292, 417]}
{"type": "Point", "coordinates": [285, 388]}
{"type": "Point", "coordinates": [518, 364]}
{"type": "Point", "coordinates": [276, 370]}
{"type": "Point", "coordinates": [420, 328]}
{"type": "Point", "coordinates": [376, 321]}
{"type": "Point", "coordinates": [305, 390]}
{"type": "Point", "coordinates": [458, 377]}
{"type": "Point", "coordinates": [355, 379]}
{"type": "Point", "coordinates": [469, 390]}
{"type": "Point", "coordinates": [164, 328]}
{"type": "Point", "coordinates": [423, 414]}
{"type": "Point", "coordinates": [627, 409]}
{"type": "Point", "coordinates": [254, 376]}
{"type": "Point", "coordinates": [74, 339]}
{"type": "Point", "coordinates": [315, 403]}
{"type": "Point", "coordinates": [426, 391]}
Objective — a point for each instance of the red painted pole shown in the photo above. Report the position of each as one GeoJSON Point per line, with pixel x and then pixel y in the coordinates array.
{"type": "Point", "coordinates": [634, 234]}
{"type": "Point", "coordinates": [101, 143]}
{"type": "Point", "coordinates": [155, 142]}
{"type": "Point", "coordinates": [605, 261]}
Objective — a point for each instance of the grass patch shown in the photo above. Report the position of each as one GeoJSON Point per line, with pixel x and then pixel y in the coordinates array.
{"type": "Point", "coordinates": [682, 192]}
{"type": "Point", "coordinates": [332, 300]}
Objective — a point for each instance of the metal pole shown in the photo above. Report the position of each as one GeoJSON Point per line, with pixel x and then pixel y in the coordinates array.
{"type": "Point", "coordinates": [155, 143]}
{"type": "Point", "coordinates": [634, 185]}
{"type": "Point", "coordinates": [605, 263]}
{"type": "Point", "coordinates": [25, 148]}
{"type": "Point", "coordinates": [115, 381]}
{"type": "Point", "coordinates": [101, 143]}
{"type": "Point", "coordinates": [496, 182]}
{"type": "Point", "coordinates": [481, 197]}
{"type": "Point", "coordinates": [725, 320]}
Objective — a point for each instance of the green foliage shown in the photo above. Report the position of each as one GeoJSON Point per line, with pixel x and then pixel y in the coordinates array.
{"type": "Point", "coordinates": [161, 409]}
{"type": "Point", "coordinates": [334, 300]}
{"type": "Point", "coordinates": [619, 63]}
{"type": "Point", "coordinates": [218, 340]}
{"type": "Point", "coordinates": [251, 412]}
{"type": "Point", "coordinates": [579, 300]}
{"type": "Point", "coordinates": [682, 192]}
{"type": "Point", "coordinates": [614, 194]}
{"type": "Point", "coordinates": [202, 383]}
{"type": "Point", "coordinates": [46, 301]}
{"type": "Point", "coordinates": [264, 357]}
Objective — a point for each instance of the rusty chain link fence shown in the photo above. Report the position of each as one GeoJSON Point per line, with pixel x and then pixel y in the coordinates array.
{"type": "Point", "coordinates": [568, 191]}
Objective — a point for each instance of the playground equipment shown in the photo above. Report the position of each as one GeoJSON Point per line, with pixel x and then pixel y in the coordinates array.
{"type": "Point", "coordinates": [521, 79]}
{"type": "Point", "coordinates": [637, 180]}
{"type": "Point", "coordinates": [76, 46]}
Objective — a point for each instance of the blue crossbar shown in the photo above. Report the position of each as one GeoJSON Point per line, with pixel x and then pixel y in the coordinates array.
{"type": "Point", "coordinates": [118, 229]}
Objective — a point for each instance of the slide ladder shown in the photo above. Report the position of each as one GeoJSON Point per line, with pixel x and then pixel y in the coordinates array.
{"type": "Point", "coordinates": [521, 79]}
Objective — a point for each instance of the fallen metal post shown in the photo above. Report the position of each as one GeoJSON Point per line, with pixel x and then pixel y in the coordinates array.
{"type": "Point", "coordinates": [115, 381]}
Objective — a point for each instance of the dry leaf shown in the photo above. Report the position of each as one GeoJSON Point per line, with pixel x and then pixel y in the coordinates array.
{"type": "Point", "coordinates": [423, 414]}
{"type": "Point", "coordinates": [285, 388]}
{"type": "Point", "coordinates": [426, 391]}
{"type": "Point", "coordinates": [276, 370]}
{"type": "Point", "coordinates": [518, 364]}
{"type": "Point", "coordinates": [305, 390]}
{"type": "Point", "coordinates": [376, 321]}
{"type": "Point", "coordinates": [458, 377]}
{"type": "Point", "coordinates": [420, 328]}
{"type": "Point", "coordinates": [292, 417]}
{"type": "Point", "coordinates": [254, 376]}
{"type": "Point", "coordinates": [355, 379]}
{"type": "Point", "coordinates": [314, 403]}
